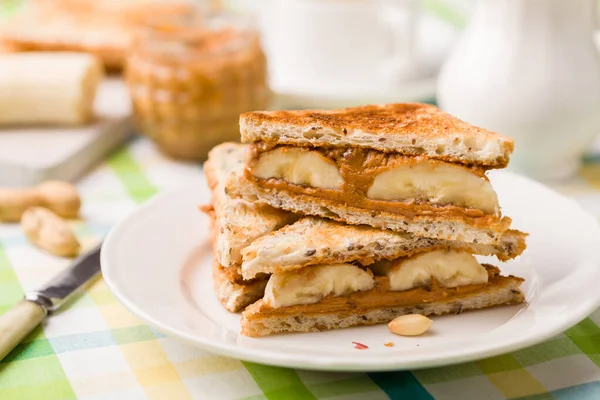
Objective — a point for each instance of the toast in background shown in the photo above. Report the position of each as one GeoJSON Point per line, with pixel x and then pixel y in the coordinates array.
{"type": "Point", "coordinates": [102, 27]}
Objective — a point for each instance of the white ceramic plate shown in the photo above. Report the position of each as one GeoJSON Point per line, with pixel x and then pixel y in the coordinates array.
{"type": "Point", "coordinates": [157, 263]}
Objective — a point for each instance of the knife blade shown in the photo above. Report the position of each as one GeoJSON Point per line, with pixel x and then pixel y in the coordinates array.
{"type": "Point", "coordinates": [19, 321]}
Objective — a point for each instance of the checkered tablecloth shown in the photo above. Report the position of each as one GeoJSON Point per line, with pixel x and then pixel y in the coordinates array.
{"type": "Point", "coordinates": [95, 349]}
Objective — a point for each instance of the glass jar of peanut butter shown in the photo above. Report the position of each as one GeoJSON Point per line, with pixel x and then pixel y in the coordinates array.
{"type": "Point", "coordinates": [191, 76]}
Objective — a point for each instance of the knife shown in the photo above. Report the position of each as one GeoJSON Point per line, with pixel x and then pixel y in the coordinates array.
{"type": "Point", "coordinates": [26, 315]}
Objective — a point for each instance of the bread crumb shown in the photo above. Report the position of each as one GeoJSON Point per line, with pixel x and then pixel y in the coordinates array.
{"type": "Point", "coordinates": [388, 344]}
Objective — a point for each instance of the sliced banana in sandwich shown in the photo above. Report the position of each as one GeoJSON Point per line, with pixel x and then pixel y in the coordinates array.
{"type": "Point", "coordinates": [299, 166]}
{"type": "Point", "coordinates": [438, 183]}
{"type": "Point", "coordinates": [449, 268]}
{"type": "Point", "coordinates": [311, 284]}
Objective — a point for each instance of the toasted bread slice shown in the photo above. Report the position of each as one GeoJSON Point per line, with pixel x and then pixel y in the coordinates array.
{"type": "Point", "coordinates": [233, 294]}
{"type": "Point", "coordinates": [379, 305]}
{"type": "Point", "coordinates": [312, 241]}
{"type": "Point", "coordinates": [237, 222]}
{"type": "Point", "coordinates": [411, 129]}
{"type": "Point", "coordinates": [232, 290]}
{"type": "Point", "coordinates": [457, 227]}
{"type": "Point", "coordinates": [103, 28]}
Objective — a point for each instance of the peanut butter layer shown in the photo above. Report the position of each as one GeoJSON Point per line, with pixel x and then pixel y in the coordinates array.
{"type": "Point", "coordinates": [367, 161]}
{"type": "Point", "coordinates": [381, 296]}
{"type": "Point", "coordinates": [358, 169]}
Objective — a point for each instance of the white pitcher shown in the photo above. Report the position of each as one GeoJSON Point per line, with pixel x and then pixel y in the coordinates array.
{"type": "Point", "coordinates": [529, 69]}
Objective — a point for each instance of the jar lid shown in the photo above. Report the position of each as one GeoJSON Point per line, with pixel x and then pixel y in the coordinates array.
{"type": "Point", "coordinates": [197, 34]}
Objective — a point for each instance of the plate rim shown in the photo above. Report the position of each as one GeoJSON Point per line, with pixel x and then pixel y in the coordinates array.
{"type": "Point", "coordinates": [258, 355]}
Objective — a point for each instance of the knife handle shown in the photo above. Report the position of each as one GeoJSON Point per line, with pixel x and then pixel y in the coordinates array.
{"type": "Point", "coordinates": [17, 323]}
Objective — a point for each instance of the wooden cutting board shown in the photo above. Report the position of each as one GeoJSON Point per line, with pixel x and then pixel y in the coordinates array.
{"type": "Point", "coordinates": [29, 155]}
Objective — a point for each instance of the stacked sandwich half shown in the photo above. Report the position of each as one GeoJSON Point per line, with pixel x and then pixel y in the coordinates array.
{"type": "Point", "coordinates": [236, 224]}
{"type": "Point", "coordinates": [356, 216]}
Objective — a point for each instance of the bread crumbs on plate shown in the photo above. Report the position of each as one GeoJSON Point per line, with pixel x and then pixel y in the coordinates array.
{"type": "Point", "coordinates": [388, 344]}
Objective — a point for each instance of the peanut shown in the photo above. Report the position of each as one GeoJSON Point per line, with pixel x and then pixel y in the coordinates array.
{"type": "Point", "coordinates": [410, 325]}
{"type": "Point", "coordinates": [49, 232]}
{"type": "Point", "coordinates": [13, 202]}
{"type": "Point", "coordinates": [60, 197]}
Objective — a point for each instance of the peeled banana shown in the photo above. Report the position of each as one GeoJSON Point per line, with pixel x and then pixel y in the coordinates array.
{"type": "Point", "coordinates": [48, 88]}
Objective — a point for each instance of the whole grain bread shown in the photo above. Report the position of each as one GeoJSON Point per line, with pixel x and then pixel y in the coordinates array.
{"type": "Point", "coordinates": [260, 319]}
{"type": "Point", "coordinates": [411, 129]}
{"type": "Point", "coordinates": [486, 230]}
{"type": "Point", "coordinates": [312, 241]}
{"type": "Point", "coordinates": [237, 222]}
{"type": "Point", "coordinates": [235, 295]}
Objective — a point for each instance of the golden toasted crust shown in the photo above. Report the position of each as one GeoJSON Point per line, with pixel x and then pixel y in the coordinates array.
{"type": "Point", "coordinates": [412, 129]}
{"type": "Point", "coordinates": [389, 119]}
{"type": "Point", "coordinates": [380, 305]}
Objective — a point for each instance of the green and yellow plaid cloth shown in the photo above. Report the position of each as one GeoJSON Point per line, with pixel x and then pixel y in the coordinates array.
{"type": "Point", "coordinates": [95, 349]}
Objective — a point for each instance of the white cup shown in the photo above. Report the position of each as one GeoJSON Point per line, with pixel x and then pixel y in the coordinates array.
{"type": "Point", "coordinates": [340, 45]}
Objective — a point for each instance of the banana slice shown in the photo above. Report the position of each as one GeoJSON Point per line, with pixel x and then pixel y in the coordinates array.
{"type": "Point", "coordinates": [449, 268]}
{"type": "Point", "coordinates": [311, 284]}
{"type": "Point", "coordinates": [48, 88]}
{"type": "Point", "coordinates": [299, 166]}
{"type": "Point", "coordinates": [437, 183]}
